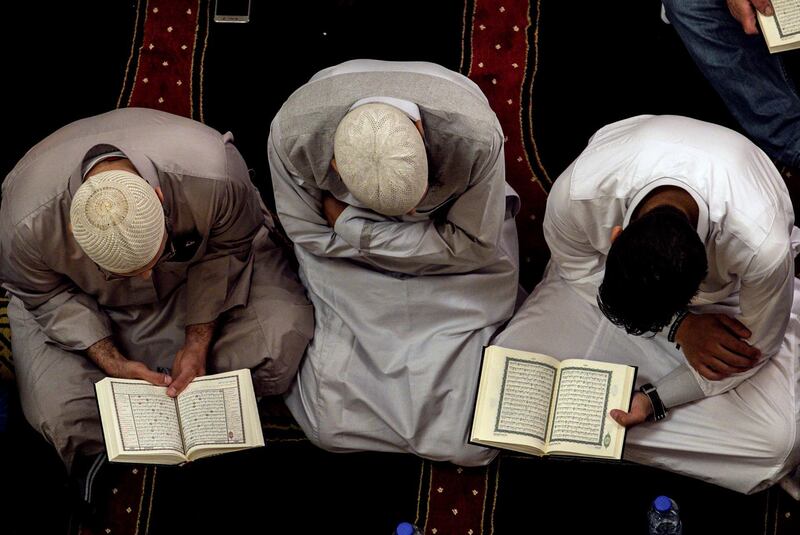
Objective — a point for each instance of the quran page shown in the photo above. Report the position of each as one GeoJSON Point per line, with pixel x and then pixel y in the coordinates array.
{"type": "Point", "coordinates": [782, 30]}
{"type": "Point", "coordinates": [140, 422]}
{"type": "Point", "coordinates": [585, 393]}
{"type": "Point", "coordinates": [214, 414]}
{"type": "Point", "coordinates": [514, 399]}
{"type": "Point", "coordinates": [218, 413]}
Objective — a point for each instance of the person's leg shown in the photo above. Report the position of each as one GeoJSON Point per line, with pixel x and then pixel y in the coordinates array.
{"type": "Point", "coordinates": [751, 81]}
{"type": "Point", "coordinates": [56, 389]}
{"type": "Point", "coordinates": [744, 439]}
{"type": "Point", "coordinates": [270, 334]}
{"type": "Point", "coordinates": [395, 359]}
{"type": "Point", "coordinates": [57, 394]}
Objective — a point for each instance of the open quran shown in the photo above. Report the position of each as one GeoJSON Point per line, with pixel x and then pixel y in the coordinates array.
{"type": "Point", "coordinates": [782, 30]}
{"type": "Point", "coordinates": [532, 403]}
{"type": "Point", "coordinates": [214, 414]}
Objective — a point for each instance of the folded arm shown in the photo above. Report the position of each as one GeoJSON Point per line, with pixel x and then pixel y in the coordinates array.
{"type": "Point", "coordinates": [299, 206]}
{"type": "Point", "coordinates": [463, 239]}
{"type": "Point", "coordinates": [765, 300]}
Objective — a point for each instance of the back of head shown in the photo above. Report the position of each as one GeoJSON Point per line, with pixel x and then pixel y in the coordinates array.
{"type": "Point", "coordinates": [118, 221]}
{"type": "Point", "coordinates": [381, 158]}
{"type": "Point", "coordinates": [653, 269]}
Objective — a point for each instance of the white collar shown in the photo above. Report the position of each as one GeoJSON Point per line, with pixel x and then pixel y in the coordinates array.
{"type": "Point", "coordinates": [702, 206]}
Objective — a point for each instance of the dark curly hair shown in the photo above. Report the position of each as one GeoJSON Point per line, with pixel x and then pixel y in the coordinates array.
{"type": "Point", "coordinates": [653, 269]}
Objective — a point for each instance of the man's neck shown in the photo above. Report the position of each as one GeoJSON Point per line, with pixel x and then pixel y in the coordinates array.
{"type": "Point", "coordinates": [673, 196]}
{"type": "Point", "coordinates": [112, 164]}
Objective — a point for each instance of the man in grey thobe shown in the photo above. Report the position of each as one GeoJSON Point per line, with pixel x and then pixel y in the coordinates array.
{"type": "Point", "coordinates": [223, 298]}
{"type": "Point", "coordinates": [404, 304]}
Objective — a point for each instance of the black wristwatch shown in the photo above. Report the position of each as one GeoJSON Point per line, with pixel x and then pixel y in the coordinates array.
{"type": "Point", "coordinates": [659, 410]}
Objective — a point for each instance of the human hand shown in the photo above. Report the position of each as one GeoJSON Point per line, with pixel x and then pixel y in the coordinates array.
{"type": "Point", "coordinates": [714, 346]}
{"type": "Point", "coordinates": [745, 12]}
{"type": "Point", "coordinates": [131, 369]}
{"type": "Point", "coordinates": [332, 208]}
{"type": "Point", "coordinates": [108, 358]}
{"type": "Point", "coordinates": [190, 362]}
{"type": "Point", "coordinates": [641, 408]}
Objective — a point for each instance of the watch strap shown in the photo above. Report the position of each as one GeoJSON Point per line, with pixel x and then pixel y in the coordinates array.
{"type": "Point", "coordinates": [659, 410]}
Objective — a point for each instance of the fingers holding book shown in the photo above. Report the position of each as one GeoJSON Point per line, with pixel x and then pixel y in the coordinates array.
{"type": "Point", "coordinates": [640, 410]}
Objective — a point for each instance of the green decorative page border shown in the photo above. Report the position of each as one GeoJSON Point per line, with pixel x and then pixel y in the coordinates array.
{"type": "Point", "coordinates": [503, 392]}
{"type": "Point", "coordinates": [782, 33]}
{"type": "Point", "coordinates": [605, 408]}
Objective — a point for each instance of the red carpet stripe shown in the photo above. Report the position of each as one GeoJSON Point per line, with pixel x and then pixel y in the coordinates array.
{"type": "Point", "coordinates": [163, 76]}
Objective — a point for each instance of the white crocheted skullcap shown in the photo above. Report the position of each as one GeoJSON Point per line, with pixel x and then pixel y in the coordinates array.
{"type": "Point", "coordinates": [381, 158]}
{"type": "Point", "coordinates": [118, 221]}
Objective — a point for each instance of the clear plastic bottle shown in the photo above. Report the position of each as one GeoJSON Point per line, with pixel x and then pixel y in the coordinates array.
{"type": "Point", "coordinates": [664, 517]}
{"type": "Point", "coordinates": [404, 528]}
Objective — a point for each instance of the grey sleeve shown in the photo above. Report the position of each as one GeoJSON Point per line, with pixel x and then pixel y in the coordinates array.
{"type": "Point", "coordinates": [299, 206]}
{"type": "Point", "coordinates": [220, 279]}
{"type": "Point", "coordinates": [68, 317]}
{"type": "Point", "coordinates": [463, 240]}
{"type": "Point", "coordinates": [678, 387]}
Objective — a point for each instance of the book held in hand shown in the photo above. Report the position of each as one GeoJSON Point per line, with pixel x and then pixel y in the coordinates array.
{"type": "Point", "coordinates": [532, 403]}
{"type": "Point", "coordinates": [782, 30]}
{"type": "Point", "coordinates": [214, 414]}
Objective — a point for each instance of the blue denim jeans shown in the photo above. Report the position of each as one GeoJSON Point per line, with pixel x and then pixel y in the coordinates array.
{"type": "Point", "coordinates": [751, 81]}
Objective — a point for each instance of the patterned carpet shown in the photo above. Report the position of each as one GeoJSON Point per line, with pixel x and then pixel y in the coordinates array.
{"type": "Point", "coordinates": [6, 362]}
{"type": "Point", "coordinates": [531, 62]}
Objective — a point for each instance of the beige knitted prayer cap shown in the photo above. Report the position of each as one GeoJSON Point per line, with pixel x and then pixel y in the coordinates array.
{"type": "Point", "coordinates": [118, 221]}
{"type": "Point", "coordinates": [381, 158]}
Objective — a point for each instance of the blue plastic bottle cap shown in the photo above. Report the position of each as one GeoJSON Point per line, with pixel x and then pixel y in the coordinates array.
{"type": "Point", "coordinates": [404, 528]}
{"type": "Point", "coordinates": [662, 504]}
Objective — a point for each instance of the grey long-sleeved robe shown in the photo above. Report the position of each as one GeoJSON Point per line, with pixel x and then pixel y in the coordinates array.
{"type": "Point", "coordinates": [225, 267]}
{"type": "Point", "coordinates": [403, 305]}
